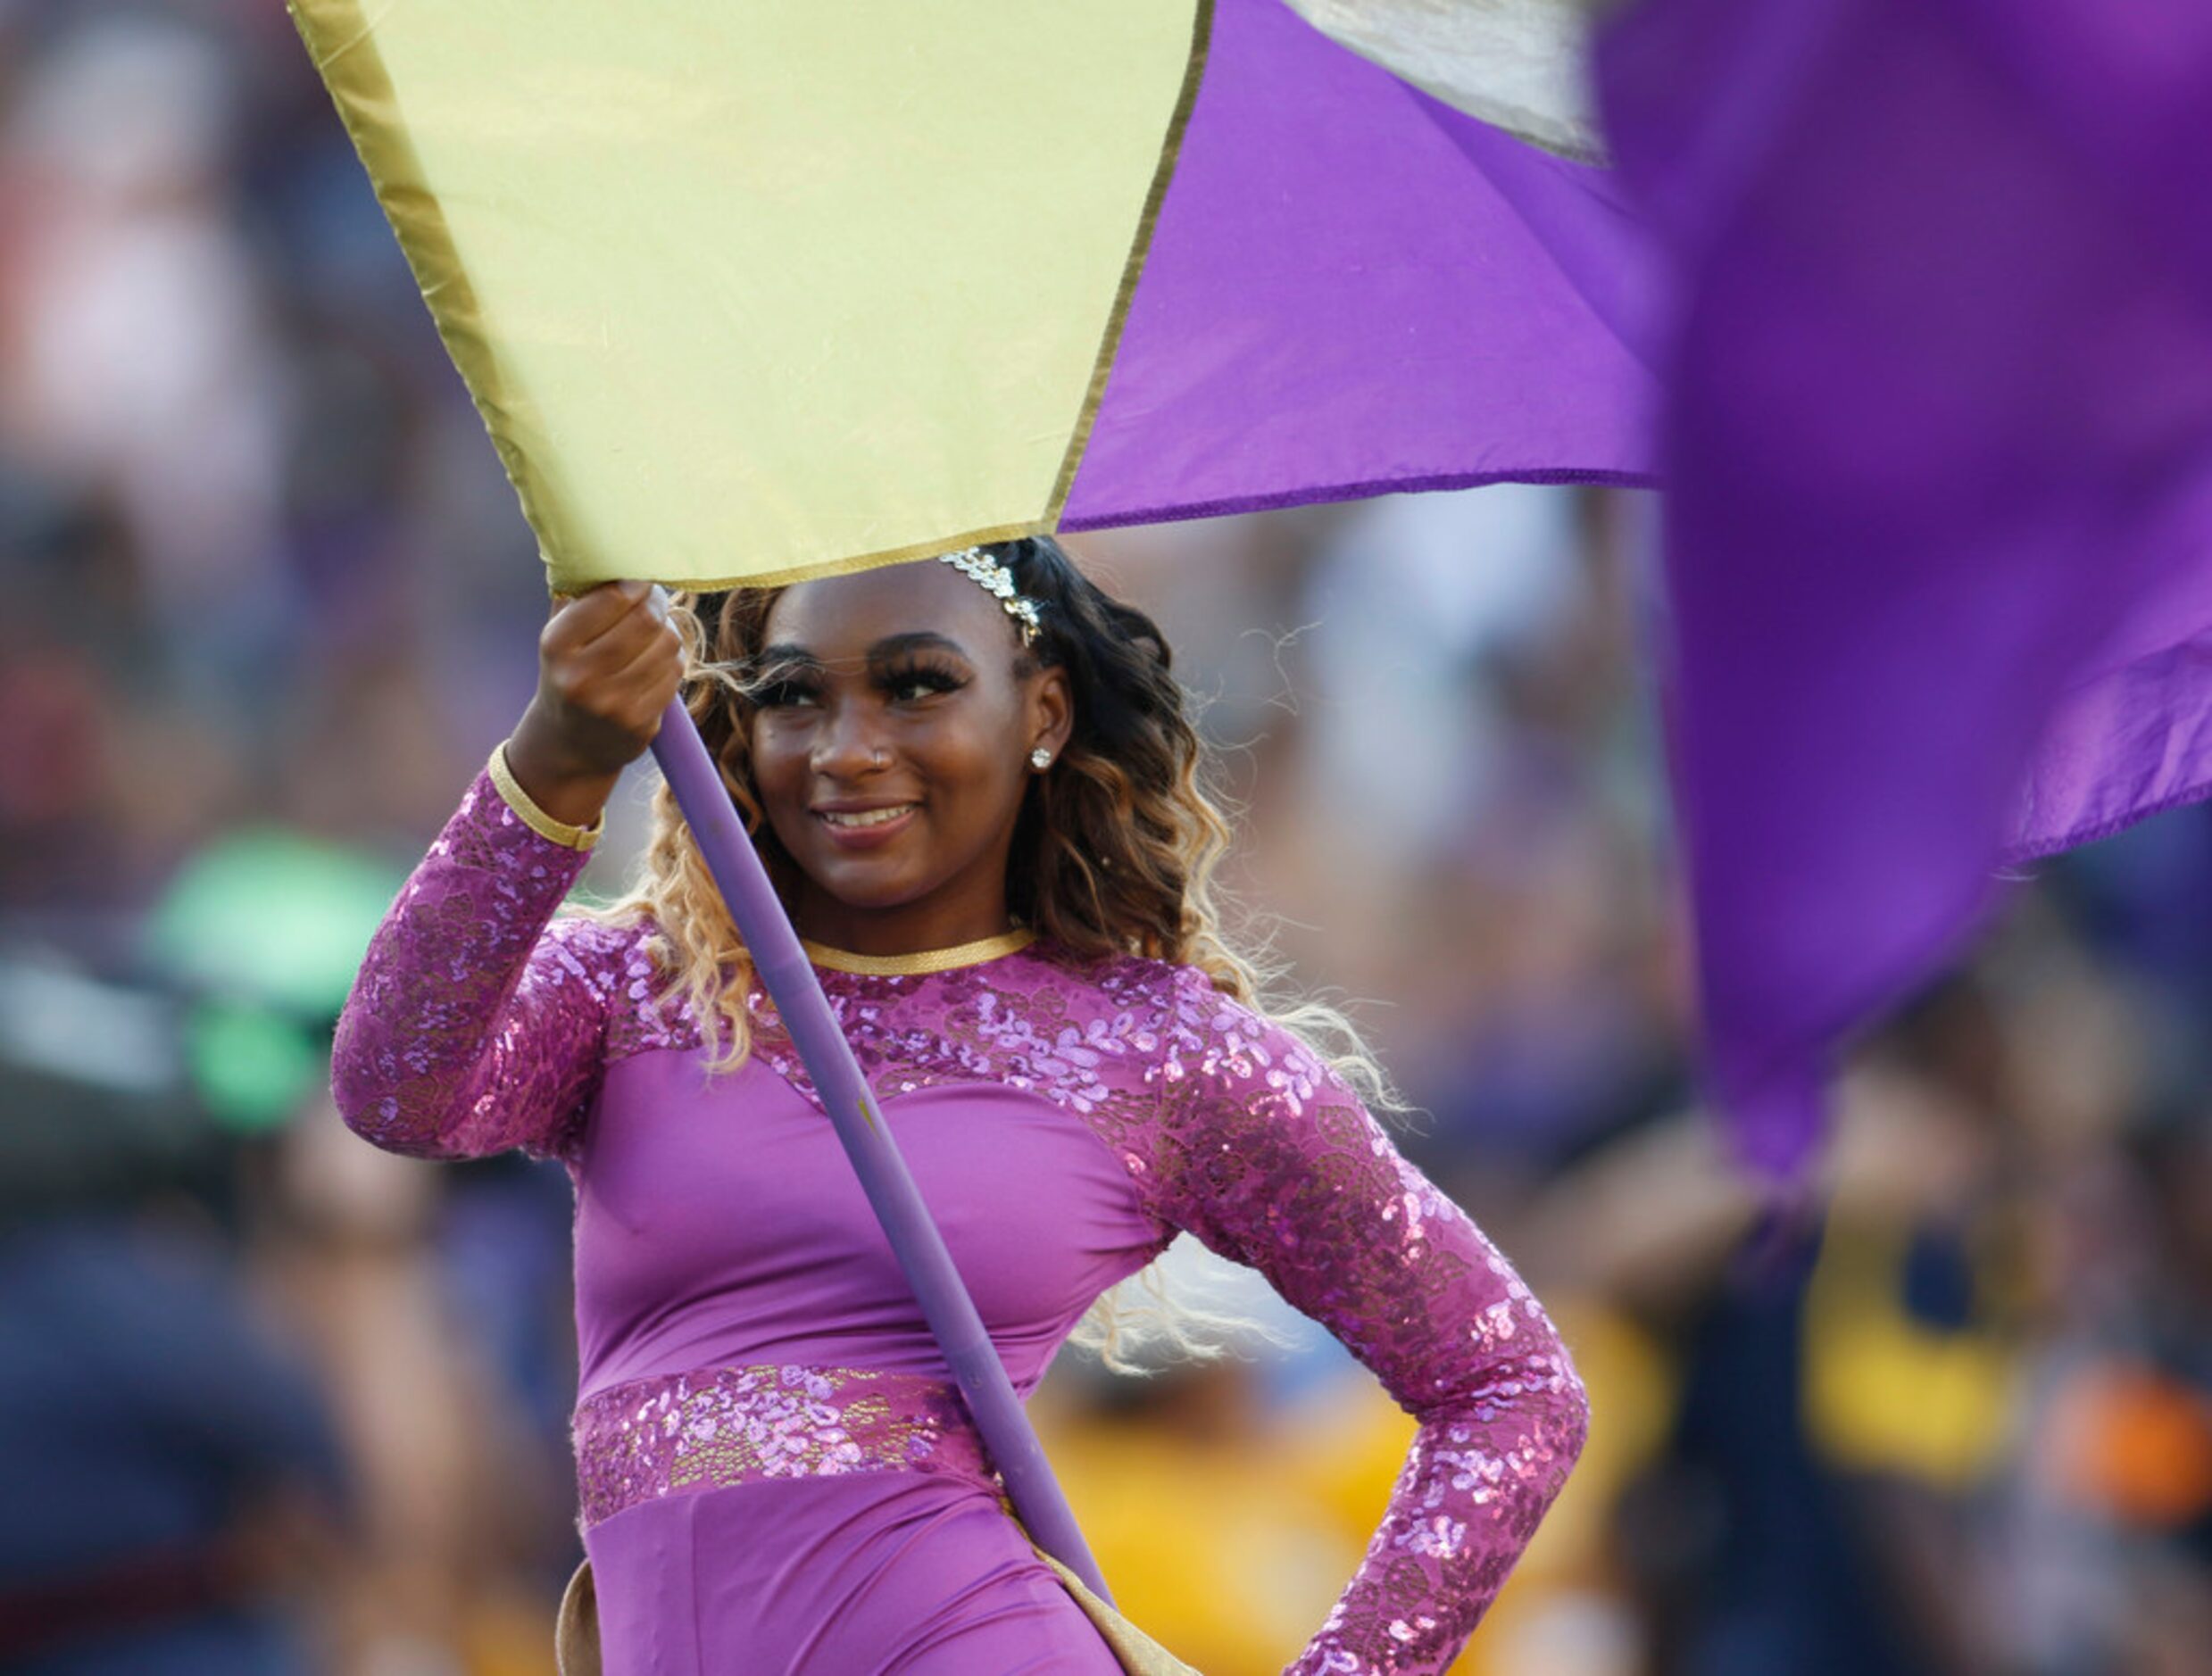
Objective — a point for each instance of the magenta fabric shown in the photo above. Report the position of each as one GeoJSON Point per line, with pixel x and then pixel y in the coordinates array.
{"type": "Point", "coordinates": [748, 1342]}
{"type": "Point", "coordinates": [813, 1289]}
{"type": "Point", "coordinates": [1352, 288]}
{"type": "Point", "coordinates": [840, 1576]}
{"type": "Point", "coordinates": [1937, 349]}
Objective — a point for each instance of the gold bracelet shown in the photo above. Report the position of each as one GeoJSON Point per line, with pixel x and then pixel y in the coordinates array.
{"type": "Point", "coordinates": [536, 819]}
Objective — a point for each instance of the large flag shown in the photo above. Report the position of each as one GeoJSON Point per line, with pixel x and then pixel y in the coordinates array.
{"type": "Point", "coordinates": [756, 289]}
{"type": "Point", "coordinates": [1938, 443]}
{"type": "Point", "coordinates": [750, 290]}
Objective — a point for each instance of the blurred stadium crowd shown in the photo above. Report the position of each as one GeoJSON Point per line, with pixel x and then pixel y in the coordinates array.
{"type": "Point", "coordinates": [271, 1402]}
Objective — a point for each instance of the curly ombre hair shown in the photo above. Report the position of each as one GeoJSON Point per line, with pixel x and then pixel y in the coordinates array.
{"type": "Point", "coordinates": [1114, 851]}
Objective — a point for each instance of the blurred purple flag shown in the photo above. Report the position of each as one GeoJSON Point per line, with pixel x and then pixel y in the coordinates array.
{"type": "Point", "coordinates": [1937, 351]}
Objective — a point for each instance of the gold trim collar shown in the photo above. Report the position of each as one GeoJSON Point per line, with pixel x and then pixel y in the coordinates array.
{"type": "Point", "coordinates": [916, 965]}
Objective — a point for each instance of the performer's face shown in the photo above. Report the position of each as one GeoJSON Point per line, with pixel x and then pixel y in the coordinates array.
{"type": "Point", "coordinates": [891, 752]}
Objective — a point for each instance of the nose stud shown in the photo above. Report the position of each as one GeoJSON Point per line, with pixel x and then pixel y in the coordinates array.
{"type": "Point", "coordinates": [879, 757]}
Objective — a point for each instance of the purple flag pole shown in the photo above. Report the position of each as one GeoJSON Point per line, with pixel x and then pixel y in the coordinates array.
{"type": "Point", "coordinates": [789, 978]}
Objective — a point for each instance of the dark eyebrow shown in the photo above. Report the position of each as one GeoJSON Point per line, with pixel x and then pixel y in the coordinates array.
{"type": "Point", "coordinates": [889, 647]}
{"type": "Point", "coordinates": [771, 656]}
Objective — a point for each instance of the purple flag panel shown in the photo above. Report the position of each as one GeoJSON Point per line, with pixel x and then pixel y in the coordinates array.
{"type": "Point", "coordinates": [1335, 303]}
{"type": "Point", "coordinates": [1938, 431]}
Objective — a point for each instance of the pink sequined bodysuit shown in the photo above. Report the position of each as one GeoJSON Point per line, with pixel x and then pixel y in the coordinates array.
{"type": "Point", "coordinates": [772, 1457]}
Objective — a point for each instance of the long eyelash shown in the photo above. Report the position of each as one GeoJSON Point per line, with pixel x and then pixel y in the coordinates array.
{"type": "Point", "coordinates": [923, 672]}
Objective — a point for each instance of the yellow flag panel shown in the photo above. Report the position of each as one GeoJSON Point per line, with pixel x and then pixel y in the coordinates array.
{"type": "Point", "coordinates": [716, 276]}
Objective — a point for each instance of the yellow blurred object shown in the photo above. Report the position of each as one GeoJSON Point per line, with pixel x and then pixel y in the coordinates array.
{"type": "Point", "coordinates": [1201, 1522]}
{"type": "Point", "coordinates": [1229, 1535]}
{"type": "Point", "coordinates": [505, 1635]}
{"type": "Point", "coordinates": [1884, 1392]}
{"type": "Point", "coordinates": [1632, 1396]}
{"type": "Point", "coordinates": [1138, 1653]}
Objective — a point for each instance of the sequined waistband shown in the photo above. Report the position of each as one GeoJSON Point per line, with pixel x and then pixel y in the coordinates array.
{"type": "Point", "coordinates": [714, 1427]}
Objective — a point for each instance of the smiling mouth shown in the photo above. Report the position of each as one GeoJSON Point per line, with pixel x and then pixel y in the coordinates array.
{"type": "Point", "coordinates": [852, 819]}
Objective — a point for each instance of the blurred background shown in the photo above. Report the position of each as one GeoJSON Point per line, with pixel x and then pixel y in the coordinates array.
{"type": "Point", "coordinates": [270, 1401]}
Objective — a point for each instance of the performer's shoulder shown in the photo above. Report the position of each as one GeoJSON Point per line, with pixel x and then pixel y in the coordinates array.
{"type": "Point", "coordinates": [1143, 985]}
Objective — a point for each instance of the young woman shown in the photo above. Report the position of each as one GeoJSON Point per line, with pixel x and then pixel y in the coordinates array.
{"type": "Point", "coordinates": [977, 791]}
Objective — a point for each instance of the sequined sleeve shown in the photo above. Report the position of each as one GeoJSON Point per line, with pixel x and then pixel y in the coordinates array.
{"type": "Point", "coordinates": [475, 1025]}
{"type": "Point", "coordinates": [1266, 1155]}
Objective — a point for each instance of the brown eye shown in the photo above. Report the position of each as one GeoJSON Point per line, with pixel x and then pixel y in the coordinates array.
{"type": "Point", "coordinates": [782, 695]}
{"type": "Point", "coordinates": [783, 685]}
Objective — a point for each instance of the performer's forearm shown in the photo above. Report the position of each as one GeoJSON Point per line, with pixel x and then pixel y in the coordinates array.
{"type": "Point", "coordinates": [1478, 1478]}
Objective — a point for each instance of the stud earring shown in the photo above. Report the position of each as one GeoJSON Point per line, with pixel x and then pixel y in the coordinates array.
{"type": "Point", "coordinates": [1040, 759]}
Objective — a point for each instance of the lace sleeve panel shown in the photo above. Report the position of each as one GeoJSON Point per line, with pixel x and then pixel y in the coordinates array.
{"type": "Point", "coordinates": [474, 1025]}
{"type": "Point", "coordinates": [1265, 1154]}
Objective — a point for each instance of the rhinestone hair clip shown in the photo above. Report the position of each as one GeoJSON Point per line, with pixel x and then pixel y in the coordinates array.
{"type": "Point", "coordinates": [998, 581]}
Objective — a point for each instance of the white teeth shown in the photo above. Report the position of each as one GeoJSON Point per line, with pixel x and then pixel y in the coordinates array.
{"type": "Point", "coordinates": [864, 817]}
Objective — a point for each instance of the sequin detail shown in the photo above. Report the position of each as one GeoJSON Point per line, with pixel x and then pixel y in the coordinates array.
{"type": "Point", "coordinates": [716, 1427]}
{"type": "Point", "coordinates": [476, 1026]}
{"type": "Point", "coordinates": [473, 1027]}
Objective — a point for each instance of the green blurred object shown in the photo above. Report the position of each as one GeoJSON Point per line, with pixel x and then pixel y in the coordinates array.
{"type": "Point", "coordinates": [264, 931]}
{"type": "Point", "coordinates": [250, 1066]}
